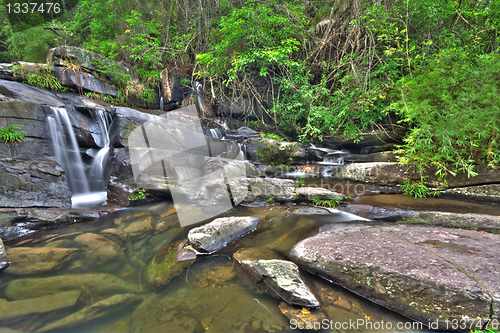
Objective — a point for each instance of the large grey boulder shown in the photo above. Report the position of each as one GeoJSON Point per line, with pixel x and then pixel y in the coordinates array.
{"type": "Point", "coordinates": [62, 55]}
{"type": "Point", "coordinates": [215, 235]}
{"type": "Point", "coordinates": [283, 281]}
{"type": "Point", "coordinates": [423, 272]}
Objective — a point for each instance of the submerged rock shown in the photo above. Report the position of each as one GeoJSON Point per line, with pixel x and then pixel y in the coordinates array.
{"type": "Point", "coordinates": [308, 319]}
{"type": "Point", "coordinates": [423, 272]}
{"type": "Point", "coordinates": [4, 263]}
{"type": "Point", "coordinates": [283, 281]}
{"type": "Point", "coordinates": [141, 227]}
{"type": "Point", "coordinates": [118, 236]}
{"type": "Point", "coordinates": [33, 306]}
{"type": "Point", "coordinates": [99, 250]}
{"type": "Point", "coordinates": [215, 235]}
{"type": "Point", "coordinates": [169, 262]}
{"type": "Point", "coordinates": [97, 284]}
{"type": "Point", "coordinates": [100, 309]}
{"type": "Point", "coordinates": [32, 260]}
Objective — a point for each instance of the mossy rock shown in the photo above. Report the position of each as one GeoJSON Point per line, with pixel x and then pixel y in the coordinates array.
{"type": "Point", "coordinates": [169, 262]}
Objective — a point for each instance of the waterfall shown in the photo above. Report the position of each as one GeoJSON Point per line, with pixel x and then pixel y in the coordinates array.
{"type": "Point", "coordinates": [199, 88]}
{"type": "Point", "coordinates": [215, 133]}
{"type": "Point", "coordinates": [87, 191]}
{"type": "Point", "coordinates": [161, 103]}
{"type": "Point", "coordinates": [67, 152]}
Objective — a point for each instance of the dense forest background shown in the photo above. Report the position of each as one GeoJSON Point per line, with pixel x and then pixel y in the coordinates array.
{"type": "Point", "coordinates": [317, 68]}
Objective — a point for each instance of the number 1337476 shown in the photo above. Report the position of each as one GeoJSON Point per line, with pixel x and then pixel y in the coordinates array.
{"type": "Point", "coordinates": [33, 7]}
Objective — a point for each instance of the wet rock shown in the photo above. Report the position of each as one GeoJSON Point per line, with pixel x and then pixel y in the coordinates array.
{"type": "Point", "coordinates": [384, 173]}
{"type": "Point", "coordinates": [97, 284]}
{"type": "Point", "coordinates": [308, 319]}
{"type": "Point", "coordinates": [141, 227]}
{"type": "Point", "coordinates": [32, 260]}
{"type": "Point", "coordinates": [169, 262]}
{"type": "Point", "coordinates": [120, 237]}
{"type": "Point", "coordinates": [423, 272]}
{"type": "Point", "coordinates": [242, 134]}
{"type": "Point", "coordinates": [99, 250]}
{"type": "Point", "coordinates": [480, 193]}
{"type": "Point", "coordinates": [83, 80]}
{"type": "Point", "coordinates": [224, 309]}
{"type": "Point", "coordinates": [162, 314]}
{"type": "Point", "coordinates": [33, 183]}
{"type": "Point", "coordinates": [310, 193]}
{"type": "Point", "coordinates": [33, 306]}
{"type": "Point", "coordinates": [473, 221]}
{"type": "Point", "coordinates": [254, 254]}
{"type": "Point", "coordinates": [4, 263]}
{"type": "Point", "coordinates": [276, 152]}
{"type": "Point", "coordinates": [311, 211]}
{"type": "Point", "coordinates": [15, 223]}
{"type": "Point", "coordinates": [170, 87]}
{"type": "Point", "coordinates": [282, 190]}
{"type": "Point", "coordinates": [214, 276]}
{"type": "Point", "coordinates": [215, 235]}
{"type": "Point", "coordinates": [384, 156]}
{"type": "Point", "coordinates": [100, 309]}
{"type": "Point", "coordinates": [283, 281]}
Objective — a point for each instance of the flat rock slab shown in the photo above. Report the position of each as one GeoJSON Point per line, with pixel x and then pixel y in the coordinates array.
{"type": "Point", "coordinates": [215, 235]}
{"type": "Point", "coordinates": [423, 272]}
{"type": "Point", "coordinates": [102, 308]}
{"type": "Point", "coordinates": [473, 221]}
{"type": "Point", "coordinates": [18, 222]}
{"type": "Point", "coordinates": [43, 304]}
{"type": "Point", "coordinates": [32, 260]}
{"type": "Point", "coordinates": [98, 284]}
{"type": "Point", "coordinates": [283, 280]}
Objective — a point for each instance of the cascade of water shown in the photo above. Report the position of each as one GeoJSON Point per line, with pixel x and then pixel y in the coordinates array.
{"type": "Point", "coordinates": [215, 133]}
{"type": "Point", "coordinates": [199, 88]}
{"type": "Point", "coordinates": [161, 103]}
{"type": "Point", "coordinates": [67, 153]}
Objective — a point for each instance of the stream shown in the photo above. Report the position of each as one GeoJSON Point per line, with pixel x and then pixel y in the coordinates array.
{"type": "Point", "coordinates": [208, 296]}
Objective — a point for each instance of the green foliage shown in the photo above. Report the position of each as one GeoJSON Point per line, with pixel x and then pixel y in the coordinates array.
{"type": "Point", "coordinates": [270, 199]}
{"type": "Point", "coordinates": [274, 136]}
{"type": "Point", "coordinates": [332, 203]}
{"type": "Point", "coordinates": [488, 330]}
{"type": "Point", "coordinates": [347, 198]}
{"type": "Point", "coordinates": [32, 44]}
{"type": "Point", "coordinates": [12, 134]}
{"type": "Point", "coordinates": [138, 194]}
{"type": "Point", "coordinates": [415, 189]}
{"type": "Point", "coordinates": [44, 81]}
{"type": "Point", "coordinates": [254, 38]}
{"type": "Point", "coordinates": [454, 110]}
{"type": "Point", "coordinates": [301, 182]}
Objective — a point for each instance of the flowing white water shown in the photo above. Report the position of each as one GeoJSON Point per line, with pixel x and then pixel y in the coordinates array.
{"type": "Point", "coordinates": [67, 152]}
{"type": "Point", "coordinates": [87, 191]}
